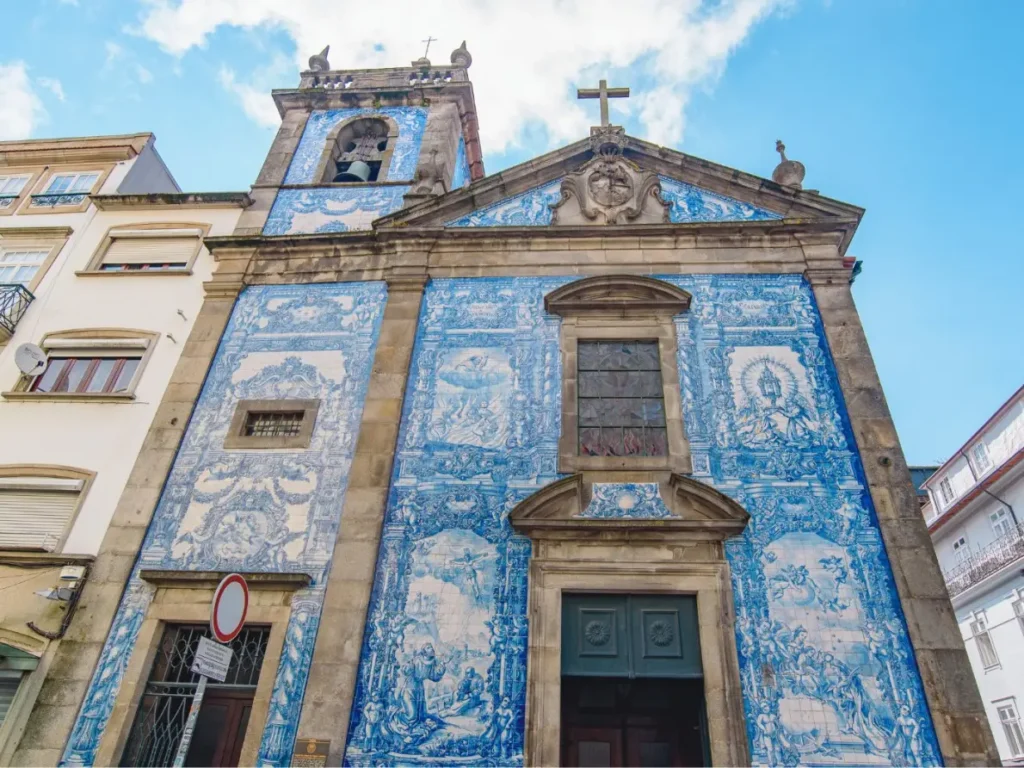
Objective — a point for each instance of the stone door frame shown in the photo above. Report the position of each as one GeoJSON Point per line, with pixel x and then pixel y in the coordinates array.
{"type": "Point", "coordinates": [682, 555]}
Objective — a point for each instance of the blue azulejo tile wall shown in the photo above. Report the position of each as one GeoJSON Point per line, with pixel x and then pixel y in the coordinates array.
{"type": "Point", "coordinates": [686, 203]}
{"type": "Point", "coordinates": [828, 674]}
{"type": "Point", "coordinates": [257, 510]}
{"type": "Point", "coordinates": [331, 209]}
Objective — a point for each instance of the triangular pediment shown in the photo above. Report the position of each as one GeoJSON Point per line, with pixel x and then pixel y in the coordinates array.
{"type": "Point", "coordinates": [680, 508]}
{"type": "Point", "coordinates": [640, 183]}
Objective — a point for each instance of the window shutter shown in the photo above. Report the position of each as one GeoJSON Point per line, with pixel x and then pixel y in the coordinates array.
{"type": "Point", "coordinates": [35, 519]}
{"type": "Point", "coordinates": [169, 247]}
{"type": "Point", "coordinates": [8, 690]}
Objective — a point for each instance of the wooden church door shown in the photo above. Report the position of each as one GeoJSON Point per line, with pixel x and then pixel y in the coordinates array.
{"type": "Point", "coordinates": [632, 683]}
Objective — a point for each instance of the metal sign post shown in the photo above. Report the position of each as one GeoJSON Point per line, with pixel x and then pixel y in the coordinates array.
{"type": "Point", "coordinates": [227, 617]}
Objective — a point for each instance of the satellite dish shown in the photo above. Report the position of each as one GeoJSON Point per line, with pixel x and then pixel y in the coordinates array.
{"type": "Point", "coordinates": [30, 359]}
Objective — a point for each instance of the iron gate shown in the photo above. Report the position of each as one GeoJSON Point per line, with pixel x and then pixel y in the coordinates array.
{"type": "Point", "coordinates": [160, 719]}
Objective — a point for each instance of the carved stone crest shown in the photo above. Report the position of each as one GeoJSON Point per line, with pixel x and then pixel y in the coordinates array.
{"type": "Point", "coordinates": [610, 190]}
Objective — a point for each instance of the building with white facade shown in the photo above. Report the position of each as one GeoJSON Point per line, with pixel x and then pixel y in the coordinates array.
{"type": "Point", "coordinates": [976, 500]}
{"type": "Point", "coordinates": [101, 266]}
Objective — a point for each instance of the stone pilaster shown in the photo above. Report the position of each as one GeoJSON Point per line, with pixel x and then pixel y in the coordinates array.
{"type": "Point", "coordinates": [952, 694]}
{"type": "Point", "coordinates": [272, 174]}
{"type": "Point", "coordinates": [332, 676]}
{"type": "Point", "coordinates": [69, 676]}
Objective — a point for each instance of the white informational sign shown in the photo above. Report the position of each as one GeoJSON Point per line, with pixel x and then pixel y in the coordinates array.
{"type": "Point", "coordinates": [212, 660]}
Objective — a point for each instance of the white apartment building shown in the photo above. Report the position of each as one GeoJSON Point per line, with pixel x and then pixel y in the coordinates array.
{"type": "Point", "coordinates": [101, 267]}
{"type": "Point", "coordinates": [974, 516]}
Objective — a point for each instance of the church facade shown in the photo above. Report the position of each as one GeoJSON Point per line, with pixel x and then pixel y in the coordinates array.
{"type": "Point", "coordinates": [507, 460]}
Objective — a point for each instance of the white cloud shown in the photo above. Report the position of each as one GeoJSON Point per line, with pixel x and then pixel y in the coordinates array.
{"type": "Point", "coordinates": [114, 52]}
{"type": "Point", "coordinates": [527, 54]}
{"type": "Point", "coordinates": [255, 96]}
{"type": "Point", "coordinates": [144, 75]}
{"type": "Point", "coordinates": [21, 109]}
{"type": "Point", "coordinates": [53, 85]}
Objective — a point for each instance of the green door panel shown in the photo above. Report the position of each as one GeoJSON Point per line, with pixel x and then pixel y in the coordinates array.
{"type": "Point", "coordinates": [595, 640]}
{"type": "Point", "coordinates": [664, 637]}
{"type": "Point", "coordinates": [630, 636]}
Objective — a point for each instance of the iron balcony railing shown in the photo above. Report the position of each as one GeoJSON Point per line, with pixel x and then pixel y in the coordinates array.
{"type": "Point", "coordinates": [14, 301]}
{"type": "Point", "coordinates": [979, 565]}
{"type": "Point", "coordinates": [55, 199]}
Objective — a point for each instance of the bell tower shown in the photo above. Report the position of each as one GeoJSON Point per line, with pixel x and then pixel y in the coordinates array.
{"type": "Point", "coordinates": [358, 144]}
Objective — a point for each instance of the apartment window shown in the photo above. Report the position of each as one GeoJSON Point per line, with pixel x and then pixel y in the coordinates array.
{"type": "Point", "coordinates": [148, 248]}
{"type": "Point", "coordinates": [1002, 525]}
{"type": "Point", "coordinates": [960, 548]}
{"type": "Point", "coordinates": [621, 400]}
{"type": "Point", "coordinates": [947, 491]}
{"type": "Point", "coordinates": [1018, 610]}
{"type": "Point", "coordinates": [87, 374]}
{"type": "Point", "coordinates": [981, 460]}
{"type": "Point", "coordinates": [36, 512]}
{"type": "Point", "coordinates": [10, 189]}
{"type": "Point", "coordinates": [66, 189]}
{"type": "Point", "coordinates": [986, 648]}
{"type": "Point", "coordinates": [1010, 721]}
{"type": "Point", "coordinates": [99, 363]}
{"type": "Point", "coordinates": [9, 682]}
{"type": "Point", "coordinates": [272, 424]}
{"type": "Point", "coordinates": [21, 266]}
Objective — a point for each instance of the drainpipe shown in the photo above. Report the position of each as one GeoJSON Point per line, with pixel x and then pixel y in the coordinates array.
{"type": "Point", "coordinates": [1008, 506]}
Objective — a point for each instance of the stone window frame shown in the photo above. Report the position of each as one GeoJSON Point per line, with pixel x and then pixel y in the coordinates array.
{"type": "Point", "coordinates": [184, 597]}
{"type": "Point", "coordinates": [235, 440]}
{"type": "Point", "coordinates": [681, 555]}
{"type": "Point", "coordinates": [325, 166]}
{"type": "Point", "coordinates": [43, 180]}
{"type": "Point", "coordinates": [55, 472]}
{"type": "Point", "coordinates": [52, 239]}
{"type": "Point", "coordinates": [81, 342]}
{"type": "Point", "coordinates": [96, 260]}
{"type": "Point", "coordinates": [33, 173]}
{"type": "Point", "coordinates": [620, 308]}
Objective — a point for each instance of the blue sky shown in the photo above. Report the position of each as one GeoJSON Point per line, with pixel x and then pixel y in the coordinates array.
{"type": "Point", "coordinates": [908, 108]}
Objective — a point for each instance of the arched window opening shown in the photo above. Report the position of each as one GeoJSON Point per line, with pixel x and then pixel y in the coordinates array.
{"type": "Point", "coordinates": [360, 152]}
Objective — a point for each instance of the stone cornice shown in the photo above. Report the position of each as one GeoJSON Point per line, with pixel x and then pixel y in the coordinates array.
{"type": "Point", "coordinates": [200, 579]}
{"type": "Point", "coordinates": [164, 199]}
{"type": "Point", "coordinates": [98, 149]}
{"type": "Point", "coordinates": [35, 233]}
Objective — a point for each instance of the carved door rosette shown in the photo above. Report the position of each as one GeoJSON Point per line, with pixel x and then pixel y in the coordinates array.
{"type": "Point", "coordinates": [610, 189]}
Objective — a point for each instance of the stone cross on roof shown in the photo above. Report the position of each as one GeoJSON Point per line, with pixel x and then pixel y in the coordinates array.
{"type": "Point", "coordinates": [602, 92]}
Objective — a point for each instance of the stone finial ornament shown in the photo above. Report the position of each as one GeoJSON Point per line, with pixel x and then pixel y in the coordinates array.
{"type": "Point", "coordinates": [461, 57]}
{"type": "Point", "coordinates": [319, 63]}
{"type": "Point", "coordinates": [788, 173]}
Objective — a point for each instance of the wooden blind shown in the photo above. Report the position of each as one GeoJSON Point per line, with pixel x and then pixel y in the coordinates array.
{"type": "Point", "coordinates": [35, 519]}
{"type": "Point", "coordinates": [168, 247]}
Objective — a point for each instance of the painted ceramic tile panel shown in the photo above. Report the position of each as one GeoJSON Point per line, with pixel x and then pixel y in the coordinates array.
{"type": "Point", "coordinates": [331, 209]}
{"type": "Point", "coordinates": [460, 178]}
{"type": "Point", "coordinates": [443, 669]}
{"type": "Point", "coordinates": [687, 203]}
{"type": "Point", "coordinates": [625, 501]}
{"type": "Point", "coordinates": [411, 123]}
{"type": "Point", "coordinates": [275, 511]}
{"type": "Point", "coordinates": [828, 673]}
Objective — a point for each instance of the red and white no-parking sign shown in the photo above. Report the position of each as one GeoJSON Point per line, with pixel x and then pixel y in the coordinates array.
{"type": "Point", "coordinates": [230, 604]}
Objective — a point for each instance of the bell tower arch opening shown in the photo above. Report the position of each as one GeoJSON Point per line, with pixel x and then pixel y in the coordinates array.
{"type": "Point", "coordinates": [359, 151]}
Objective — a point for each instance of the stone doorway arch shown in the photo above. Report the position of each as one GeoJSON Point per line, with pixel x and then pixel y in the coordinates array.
{"type": "Point", "coordinates": [677, 547]}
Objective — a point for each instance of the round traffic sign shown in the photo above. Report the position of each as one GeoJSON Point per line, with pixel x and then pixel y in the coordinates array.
{"type": "Point", "coordinates": [230, 604]}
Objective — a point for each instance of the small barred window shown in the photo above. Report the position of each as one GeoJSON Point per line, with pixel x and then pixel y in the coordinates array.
{"type": "Point", "coordinates": [274, 423]}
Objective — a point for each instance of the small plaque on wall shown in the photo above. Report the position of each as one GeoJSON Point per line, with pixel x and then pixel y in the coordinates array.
{"type": "Point", "coordinates": [311, 753]}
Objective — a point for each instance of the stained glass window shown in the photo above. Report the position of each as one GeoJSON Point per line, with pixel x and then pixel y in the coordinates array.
{"type": "Point", "coordinates": [621, 401]}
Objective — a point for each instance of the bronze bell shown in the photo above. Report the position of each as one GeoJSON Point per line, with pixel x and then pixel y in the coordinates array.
{"type": "Point", "coordinates": [357, 171]}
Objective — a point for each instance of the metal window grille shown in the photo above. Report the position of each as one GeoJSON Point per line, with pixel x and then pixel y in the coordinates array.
{"type": "Point", "coordinates": [162, 712]}
{"type": "Point", "coordinates": [621, 401]}
{"type": "Point", "coordinates": [273, 423]}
